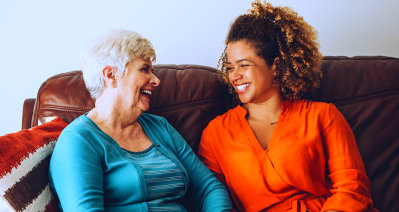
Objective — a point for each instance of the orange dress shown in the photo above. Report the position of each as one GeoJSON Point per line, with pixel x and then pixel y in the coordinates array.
{"type": "Point", "coordinates": [312, 162]}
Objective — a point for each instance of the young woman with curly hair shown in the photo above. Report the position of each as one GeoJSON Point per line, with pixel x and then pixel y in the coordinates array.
{"type": "Point", "coordinates": [277, 151]}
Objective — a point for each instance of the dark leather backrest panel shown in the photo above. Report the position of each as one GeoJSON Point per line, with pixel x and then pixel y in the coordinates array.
{"type": "Point", "coordinates": [189, 96]}
{"type": "Point", "coordinates": [353, 78]}
{"type": "Point", "coordinates": [365, 90]}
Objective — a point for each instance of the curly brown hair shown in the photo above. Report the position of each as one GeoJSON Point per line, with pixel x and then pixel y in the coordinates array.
{"type": "Point", "coordinates": [278, 32]}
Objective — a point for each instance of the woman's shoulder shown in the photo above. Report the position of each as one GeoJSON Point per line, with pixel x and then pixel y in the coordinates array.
{"type": "Point", "coordinates": [80, 125]}
{"type": "Point", "coordinates": [231, 117]}
{"type": "Point", "coordinates": [81, 136]}
{"type": "Point", "coordinates": [308, 108]}
{"type": "Point", "coordinates": [309, 105]}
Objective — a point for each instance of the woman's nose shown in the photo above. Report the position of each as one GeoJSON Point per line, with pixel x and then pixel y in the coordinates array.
{"type": "Point", "coordinates": [155, 80]}
{"type": "Point", "coordinates": [235, 75]}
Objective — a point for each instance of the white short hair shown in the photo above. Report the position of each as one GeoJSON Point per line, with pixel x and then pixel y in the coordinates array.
{"type": "Point", "coordinates": [115, 49]}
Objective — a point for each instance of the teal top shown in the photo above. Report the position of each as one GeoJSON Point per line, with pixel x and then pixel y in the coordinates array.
{"type": "Point", "coordinates": [164, 180]}
{"type": "Point", "coordinates": [89, 171]}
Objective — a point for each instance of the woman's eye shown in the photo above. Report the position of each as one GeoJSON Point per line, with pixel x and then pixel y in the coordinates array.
{"type": "Point", "coordinates": [145, 69]}
{"type": "Point", "coordinates": [244, 65]}
{"type": "Point", "coordinates": [229, 69]}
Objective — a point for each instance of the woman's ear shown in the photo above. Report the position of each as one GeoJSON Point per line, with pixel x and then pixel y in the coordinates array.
{"type": "Point", "coordinates": [274, 65]}
{"type": "Point", "coordinates": [275, 72]}
{"type": "Point", "coordinates": [109, 75]}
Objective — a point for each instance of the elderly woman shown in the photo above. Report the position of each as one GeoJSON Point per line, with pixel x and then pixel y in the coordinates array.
{"type": "Point", "coordinates": [278, 151]}
{"type": "Point", "coordinates": [117, 158]}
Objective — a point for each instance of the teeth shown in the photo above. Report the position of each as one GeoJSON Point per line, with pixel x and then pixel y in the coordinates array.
{"type": "Point", "coordinates": [147, 92]}
{"type": "Point", "coordinates": [242, 87]}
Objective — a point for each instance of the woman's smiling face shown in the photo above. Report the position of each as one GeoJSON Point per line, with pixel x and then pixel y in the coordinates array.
{"type": "Point", "coordinates": [250, 75]}
{"type": "Point", "coordinates": [137, 84]}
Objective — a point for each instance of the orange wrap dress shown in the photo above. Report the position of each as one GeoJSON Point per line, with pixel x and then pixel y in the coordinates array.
{"type": "Point", "coordinates": [312, 162]}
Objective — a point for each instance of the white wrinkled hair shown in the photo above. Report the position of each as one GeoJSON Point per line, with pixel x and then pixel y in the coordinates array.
{"type": "Point", "coordinates": [115, 49]}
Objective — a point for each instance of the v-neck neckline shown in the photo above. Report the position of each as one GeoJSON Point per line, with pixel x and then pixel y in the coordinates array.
{"type": "Point", "coordinates": [252, 140]}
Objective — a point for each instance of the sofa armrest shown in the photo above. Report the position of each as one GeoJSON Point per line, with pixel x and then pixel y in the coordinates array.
{"type": "Point", "coordinates": [27, 112]}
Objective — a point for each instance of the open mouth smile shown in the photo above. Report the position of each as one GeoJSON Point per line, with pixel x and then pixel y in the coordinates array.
{"type": "Point", "coordinates": [241, 88]}
{"type": "Point", "coordinates": [146, 92]}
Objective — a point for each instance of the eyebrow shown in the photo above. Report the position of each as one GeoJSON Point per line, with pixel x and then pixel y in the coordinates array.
{"type": "Point", "coordinates": [238, 61]}
{"type": "Point", "coordinates": [145, 63]}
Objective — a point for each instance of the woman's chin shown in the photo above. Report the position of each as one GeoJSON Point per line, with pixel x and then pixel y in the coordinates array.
{"type": "Point", "coordinates": [144, 103]}
{"type": "Point", "coordinates": [243, 99]}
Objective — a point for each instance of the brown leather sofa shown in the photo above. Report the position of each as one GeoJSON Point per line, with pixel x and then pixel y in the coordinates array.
{"type": "Point", "coordinates": [365, 90]}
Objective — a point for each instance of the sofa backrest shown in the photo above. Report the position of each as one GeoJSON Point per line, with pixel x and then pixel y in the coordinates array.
{"type": "Point", "coordinates": [189, 96]}
{"type": "Point", "coordinates": [364, 89]}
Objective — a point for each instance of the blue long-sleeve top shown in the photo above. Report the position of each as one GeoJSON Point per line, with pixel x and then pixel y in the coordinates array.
{"type": "Point", "coordinates": [89, 171]}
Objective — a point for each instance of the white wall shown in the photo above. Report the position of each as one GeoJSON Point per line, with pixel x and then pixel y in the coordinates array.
{"type": "Point", "coordinates": [44, 37]}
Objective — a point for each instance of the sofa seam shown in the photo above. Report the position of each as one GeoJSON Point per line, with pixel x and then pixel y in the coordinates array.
{"type": "Point", "coordinates": [184, 105]}
{"type": "Point", "coordinates": [163, 108]}
{"type": "Point", "coordinates": [359, 58]}
{"type": "Point", "coordinates": [365, 98]}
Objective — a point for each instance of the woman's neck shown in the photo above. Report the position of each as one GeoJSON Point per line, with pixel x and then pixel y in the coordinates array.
{"type": "Point", "coordinates": [268, 110]}
{"type": "Point", "coordinates": [111, 115]}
